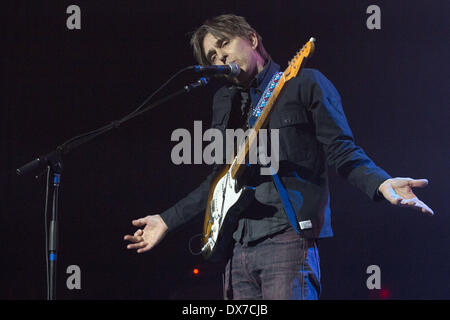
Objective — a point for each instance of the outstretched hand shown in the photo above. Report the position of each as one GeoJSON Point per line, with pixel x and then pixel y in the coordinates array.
{"type": "Point", "coordinates": [145, 239]}
{"type": "Point", "coordinates": [398, 191]}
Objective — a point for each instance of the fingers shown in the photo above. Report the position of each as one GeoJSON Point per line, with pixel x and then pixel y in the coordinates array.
{"type": "Point", "coordinates": [397, 194]}
{"type": "Point", "coordinates": [145, 248]}
{"type": "Point", "coordinates": [139, 222]}
{"type": "Point", "coordinates": [138, 242]}
{"type": "Point", "coordinates": [138, 245]}
{"type": "Point", "coordinates": [424, 208]}
{"type": "Point", "coordinates": [137, 237]}
{"type": "Point", "coordinates": [134, 239]}
{"type": "Point", "coordinates": [415, 203]}
{"type": "Point", "coordinates": [418, 183]}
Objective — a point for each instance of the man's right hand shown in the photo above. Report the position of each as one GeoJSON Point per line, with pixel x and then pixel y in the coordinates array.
{"type": "Point", "coordinates": [145, 239]}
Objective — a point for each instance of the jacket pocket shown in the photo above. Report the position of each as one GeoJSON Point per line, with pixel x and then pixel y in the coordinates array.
{"type": "Point", "coordinates": [294, 134]}
{"type": "Point", "coordinates": [287, 117]}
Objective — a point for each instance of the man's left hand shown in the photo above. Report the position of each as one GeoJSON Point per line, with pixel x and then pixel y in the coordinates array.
{"type": "Point", "coordinates": [398, 191]}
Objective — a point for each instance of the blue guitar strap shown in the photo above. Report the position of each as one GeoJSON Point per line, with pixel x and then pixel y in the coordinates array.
{"type": "Point", "coordinates": [285, 200]}
{"type": "Point", "coordinates": [252, 120]}
{"type": "Point", "coordinates": [264, 98]}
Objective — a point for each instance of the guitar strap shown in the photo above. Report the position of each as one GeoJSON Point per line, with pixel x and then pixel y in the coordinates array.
{"type": "Point", "coordinates": [264, 98]}
{"type": "Point", "coordinates": [284, 195]}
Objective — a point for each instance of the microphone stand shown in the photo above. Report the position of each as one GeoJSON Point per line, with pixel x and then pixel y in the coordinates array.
{"type": "Point", "coordinates": [53, 162]}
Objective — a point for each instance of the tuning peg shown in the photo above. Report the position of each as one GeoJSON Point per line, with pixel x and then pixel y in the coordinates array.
{"type": "Point", "coordinates": [312, 39]}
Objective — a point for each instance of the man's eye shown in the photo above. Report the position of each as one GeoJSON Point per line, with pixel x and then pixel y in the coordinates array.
{"type": "Point", "coordinates": [213, 58]}
{"type": "Point", "coordinates": [224, 43]}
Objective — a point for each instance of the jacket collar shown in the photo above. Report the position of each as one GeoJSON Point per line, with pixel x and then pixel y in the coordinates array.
{"type": "Point", "coordinates": [262, 79]}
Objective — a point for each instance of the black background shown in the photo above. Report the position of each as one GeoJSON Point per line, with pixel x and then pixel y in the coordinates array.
{"type": "Point", "coordinates": [57, 83]}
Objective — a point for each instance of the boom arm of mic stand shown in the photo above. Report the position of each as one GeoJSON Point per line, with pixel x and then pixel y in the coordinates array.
{"type": "Point", "coordinates": [45, 160]}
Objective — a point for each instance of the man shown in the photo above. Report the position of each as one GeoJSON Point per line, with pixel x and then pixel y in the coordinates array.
{"type": "Point", "coordinates": [275, 255]}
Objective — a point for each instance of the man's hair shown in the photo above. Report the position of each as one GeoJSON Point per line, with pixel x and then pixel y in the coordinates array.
{"type": "Point", "coordinates": [223, 27]}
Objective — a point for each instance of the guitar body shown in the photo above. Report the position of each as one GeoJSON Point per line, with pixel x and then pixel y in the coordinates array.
{"type": "Point", "coordinates": [226, 200]}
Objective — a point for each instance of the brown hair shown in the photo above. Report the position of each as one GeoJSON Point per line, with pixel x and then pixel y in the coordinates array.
{"type": "Point", "coordinates": [222, 27]}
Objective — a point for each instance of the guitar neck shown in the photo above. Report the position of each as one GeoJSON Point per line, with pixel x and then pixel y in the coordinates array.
{"type": "Point", "coordinates": [238, 166]}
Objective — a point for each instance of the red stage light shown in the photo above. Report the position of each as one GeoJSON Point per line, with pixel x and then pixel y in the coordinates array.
{"type": "Point", "coordinates": [384, 294]}
{"type": "Point", "coordinates": [195, 271]}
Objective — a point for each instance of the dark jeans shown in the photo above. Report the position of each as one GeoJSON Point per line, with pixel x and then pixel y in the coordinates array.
{"type": "Point", "coordinates": [280, 267]}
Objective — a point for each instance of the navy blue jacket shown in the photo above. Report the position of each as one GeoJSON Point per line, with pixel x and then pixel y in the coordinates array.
{"type": "Point", "coordinates": [313, 134]}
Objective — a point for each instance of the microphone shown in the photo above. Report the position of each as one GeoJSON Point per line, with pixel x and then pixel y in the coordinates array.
{"type": "Point", "coordinates": [231, 69]}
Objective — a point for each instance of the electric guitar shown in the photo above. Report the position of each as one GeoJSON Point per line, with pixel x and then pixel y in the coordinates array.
{"type": "Point", "coordinates": [227, 196]}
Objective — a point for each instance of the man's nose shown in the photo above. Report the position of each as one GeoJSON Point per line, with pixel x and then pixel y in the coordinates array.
{"type": "Point", "coordinates": [223, 58]}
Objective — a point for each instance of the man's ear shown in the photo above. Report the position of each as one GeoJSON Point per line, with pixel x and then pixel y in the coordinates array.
{"type": "Point", "coordinates": [253, 40]}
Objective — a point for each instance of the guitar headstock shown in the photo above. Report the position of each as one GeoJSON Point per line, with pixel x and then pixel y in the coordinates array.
{"type": "Point", "coordinates": [296, 62]}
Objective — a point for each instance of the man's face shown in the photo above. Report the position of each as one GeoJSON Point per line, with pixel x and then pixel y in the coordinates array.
{"type": "Point", "coordinates": [233, 49]}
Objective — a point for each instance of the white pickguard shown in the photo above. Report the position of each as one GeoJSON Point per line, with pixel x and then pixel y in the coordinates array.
{"type": "Point", "coordinates": [224, 197]}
